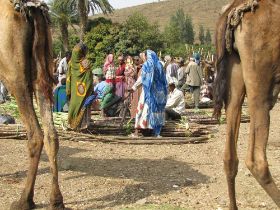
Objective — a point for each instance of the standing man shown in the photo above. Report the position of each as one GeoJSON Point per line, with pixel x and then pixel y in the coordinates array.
{"type": "Point", "coordinates": [63, 66]}
{"type": "Point", "coordinates": [195, 78]}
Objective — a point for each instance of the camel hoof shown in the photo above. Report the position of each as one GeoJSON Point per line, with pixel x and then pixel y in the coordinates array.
{"type": "Point", "coordinates": [23, 205]}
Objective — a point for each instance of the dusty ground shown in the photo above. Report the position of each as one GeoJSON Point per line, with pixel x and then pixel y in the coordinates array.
{"type": "Point", "coordinates": [108, 176]}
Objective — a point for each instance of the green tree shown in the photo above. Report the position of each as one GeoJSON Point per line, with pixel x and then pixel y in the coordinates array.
{"type": "Point", "coordinates": [180, 29]}
{"type": "Point", "coordinates": [96, 21]}
{"type": "Point", "coordinates": [141, 35]}
{"type": "Point", "coordinates": [135, 35]}
{"type": "Point", "coordinates": [171, 34]}
{"type": "Point", "coordinates": [184, 25]}
{"type": "Point", "coordinates": [100, 41]}
{"type": "Point", "coordinates": [201, 35]}
{"type": "Point", "coordinates": [86, 7]}
{"type": "Point", "coordinates": [177, 33]}
{"type": "Point", "coordinates": [63, 14]}
{"type": "Point", "coordinates": [189, 31]}
{"type": "Point", "coordinates": [208, 39]}
{"type": "Point", "coordinates": [58, 45]}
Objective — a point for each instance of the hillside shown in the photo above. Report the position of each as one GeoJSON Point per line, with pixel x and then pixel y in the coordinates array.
{"type": "Point", "coordinates": [204, 12]}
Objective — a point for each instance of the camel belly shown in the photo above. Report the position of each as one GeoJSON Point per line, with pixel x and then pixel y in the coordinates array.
{"type": "Point", "coordinates": [15, 46]}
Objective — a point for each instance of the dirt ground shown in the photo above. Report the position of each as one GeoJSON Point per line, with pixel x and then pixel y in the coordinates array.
{"type": "Point", "coordinates": [115, 176]}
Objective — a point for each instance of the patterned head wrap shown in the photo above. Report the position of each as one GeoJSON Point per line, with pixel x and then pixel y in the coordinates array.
{"type": "Point", "coordinates": [108, 62]}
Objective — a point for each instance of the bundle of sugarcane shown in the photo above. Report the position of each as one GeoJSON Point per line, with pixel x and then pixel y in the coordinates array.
{"type": "Point", "coordinates": [185, 128]}
{"type": "Point", "coordinates": [213, 121]}
{"type": "Point", "coordinates": [207, 105]}
{"type": "Point", "coordinates": [171, 129]}
{"type": "Point", "coordinates": [15, 131]}
{"type": "Point", "coordinates": [18, 132]}
{"type": "Point", "coordinates": [60, 119]}
{"type": "Point", "coordinates": [10, 107]}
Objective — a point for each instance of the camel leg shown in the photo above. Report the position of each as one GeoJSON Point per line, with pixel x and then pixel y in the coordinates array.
{"type": "Point", "coordinates": [256, 159]}
{"type": "Point", "coordinates": [35, 145]}
{"type": "Point", "coordinates": [41, 65]}
{"type": "Point", "coordinates": [233, 113]}
{"type": "Point", "coordinates": [51, 146]}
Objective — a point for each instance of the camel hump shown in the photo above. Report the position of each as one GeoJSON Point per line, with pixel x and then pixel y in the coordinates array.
{"type": "Point", "coordinates": [24, 7]}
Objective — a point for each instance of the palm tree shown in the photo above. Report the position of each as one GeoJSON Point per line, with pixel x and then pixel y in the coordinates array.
{"type": "Point", "coordinates": [86, 7]}
{"type": "Point", "coordinates": [63, 14]}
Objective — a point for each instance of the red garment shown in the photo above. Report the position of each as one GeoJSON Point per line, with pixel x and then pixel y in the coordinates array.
{"type": "Point", "coordinates": [111, 81]}
{"type": "Point", "coordinates": [120, 70]}
{"type": "Point", "coordinates": [120, 78]}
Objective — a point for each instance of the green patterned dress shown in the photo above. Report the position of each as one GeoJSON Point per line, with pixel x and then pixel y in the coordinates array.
{"type": "Point", "coordinates": [78, 88]}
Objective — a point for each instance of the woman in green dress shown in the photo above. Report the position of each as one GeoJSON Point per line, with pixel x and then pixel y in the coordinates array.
{"type": "Point", "coordinates": [78, 88]}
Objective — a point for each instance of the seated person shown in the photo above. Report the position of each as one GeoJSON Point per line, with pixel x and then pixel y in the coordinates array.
{"type": "Point", "coordinates": [110, 103]}
{"type": "Point", "coordinates": [99, 87]}
{"type": "Point", "coordinates": [60, 97]}
{"type": "Point", "coordinates": [206, 93]}
{"type": "Point", "coordinates": [99, 82]}
{"type": "Point", "coordinates": [175, 105]}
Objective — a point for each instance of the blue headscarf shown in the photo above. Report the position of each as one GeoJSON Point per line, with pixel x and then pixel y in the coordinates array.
{"type": "Point", "coordinates": [197, 58]}
{"type": "Point", "coordinates": [155, 90]}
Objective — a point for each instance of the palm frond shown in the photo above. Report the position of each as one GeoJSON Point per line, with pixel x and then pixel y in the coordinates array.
{"type": "Point", "coordinates": [100, 6]}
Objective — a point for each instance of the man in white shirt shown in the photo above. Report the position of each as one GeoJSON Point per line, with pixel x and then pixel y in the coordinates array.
{"type": "Point", "coordinates": [175, 105]}
{"type": "Point", "coordinates": [63, 66]}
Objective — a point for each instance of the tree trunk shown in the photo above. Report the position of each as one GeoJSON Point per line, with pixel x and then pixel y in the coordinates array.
{"type": "Point", "coordinates": [64, 35]}
{"type": "Point", "coordinates": [83, 17]}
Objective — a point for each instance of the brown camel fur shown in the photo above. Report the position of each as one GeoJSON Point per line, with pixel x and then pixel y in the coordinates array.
{"type": "Point", "coordinates": [252, 69]}
{"type": "Point", "coordinates": [25, 68]}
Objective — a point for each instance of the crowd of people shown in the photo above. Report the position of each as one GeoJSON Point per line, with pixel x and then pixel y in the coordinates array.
{"type": "Point", "coordinates": [154, 87]}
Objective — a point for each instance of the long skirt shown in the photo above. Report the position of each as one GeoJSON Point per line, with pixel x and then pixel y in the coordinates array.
{"type": "Point", "coordinates": [120, 88]}
{"type": "Point", "coordinates": [141, 118]}
{"type": "Point", "coordinates": [134, 102]}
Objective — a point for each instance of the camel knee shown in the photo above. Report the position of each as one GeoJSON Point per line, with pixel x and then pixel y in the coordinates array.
{"type": "Point", "coordinates": [35, 148]}
{"type": "Point", "coordinates": [35, 144]}
{"type": "Point", "coordinates": [260, 170]}
{"type": "Point", "coordinates": [231, 167]}
{"type": "Point", "coordinates": [51, 144]}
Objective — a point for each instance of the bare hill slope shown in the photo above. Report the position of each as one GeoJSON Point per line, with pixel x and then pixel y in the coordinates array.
{"type": "Point", "coordinates": [204, 12]}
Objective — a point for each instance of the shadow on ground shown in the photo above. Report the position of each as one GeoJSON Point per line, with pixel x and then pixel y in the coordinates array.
{"type": "Point", "coordinates": [152, 176]}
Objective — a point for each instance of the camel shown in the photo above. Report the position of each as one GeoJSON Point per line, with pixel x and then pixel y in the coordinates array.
{"type": "Point", "coordinates": [248, 63]}
{"type": "Point", "coordinates": [26, 69]}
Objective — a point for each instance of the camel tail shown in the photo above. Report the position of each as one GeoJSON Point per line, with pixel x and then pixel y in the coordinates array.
{"type": "Point", "coordinates": [42, 53]}
{"type": "Point", "coordinates": [220, 86]}
{"type": "Point", "coordinates": [221, 80]}
{"type": "Point", "coordinates": [222, 59]}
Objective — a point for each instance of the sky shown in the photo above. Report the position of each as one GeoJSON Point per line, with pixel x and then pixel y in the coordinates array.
{"type": "Point", "coordinates": [128, 3]}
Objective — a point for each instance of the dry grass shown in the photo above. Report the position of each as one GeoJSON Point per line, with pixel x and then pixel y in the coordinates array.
{"type": "Point", "coordinates": [203, 12]}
